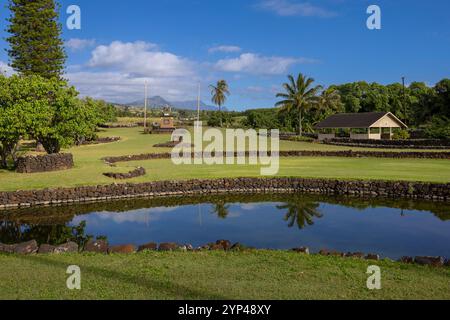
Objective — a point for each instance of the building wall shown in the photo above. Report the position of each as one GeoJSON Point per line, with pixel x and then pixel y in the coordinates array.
{"type": "Point", "coordinates": [386, 122]}
{"type": "Point", "coordinates": [167, 123]}
{"type": "Point", "coordinates": [326, 136]}
{"type": "Point", "coordinates": [359, 136]}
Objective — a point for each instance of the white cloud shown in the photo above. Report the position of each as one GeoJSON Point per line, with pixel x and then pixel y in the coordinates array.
{"type": "Point", "coordinates": [224, 48]}
{"type": "Point", "coordinates": [116, 72]}
{"type": "Point", "coordinates": [124, 88]}
{"type": "Point", "coordinates": [290, 8]}
{"type": "Point", "coordinates": [140, 59]}
{"type": "Point", "coordinates": [6, 69]}
{"type": "Point", "coordinates": [76, 44]}
{"type": "Point", "coordinates": [257, 64]}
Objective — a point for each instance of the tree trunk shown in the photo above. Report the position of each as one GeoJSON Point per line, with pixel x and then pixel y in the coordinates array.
{"type": "Point", "coordinates": [300, 120]}
{"type": "Point", "coordinates": [3, 161]}
{"type": "Point", "coordinates": [220, 115]}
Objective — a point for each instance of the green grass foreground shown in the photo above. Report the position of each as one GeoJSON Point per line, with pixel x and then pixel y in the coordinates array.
{"type": "Point", "coordinates": [89, 167]}
{"type": "Point", "coordinates": [216, 275]}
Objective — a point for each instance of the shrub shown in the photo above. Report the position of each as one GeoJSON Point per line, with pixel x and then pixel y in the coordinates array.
{"type": "Point", "coordinates": [438, 128]}
{"type": "Point", "coordinates": [401, 135]}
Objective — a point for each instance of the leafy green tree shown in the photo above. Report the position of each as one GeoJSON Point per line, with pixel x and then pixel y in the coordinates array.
{"type": "Point", "coordinates": [422, 98]}
{"type": "Point", "coordinates": [442, 104]}
{"type": "Point", "coordinates": [300, 95]}
{"type": "Point", "coordinates": [104, 112]}
{"type": "Point", "coordinates": [16, 113]}
{"type": "Point", "coordinates": [262, 119]}
{"type": "Point", "coordinates": [218, 119]}
{"type": "Point", "coordinates": [219, 93]}
{"type": "Point", "coordinates": [47, 110]}
{"type": "Point", "coordinates": [35, 42]}
{"type": "Point", "coordinates": [328, 103]}
{"type": "Point", "coordinates": [438, 128]}
{"type": "Point", "coordinates": [58, 117]}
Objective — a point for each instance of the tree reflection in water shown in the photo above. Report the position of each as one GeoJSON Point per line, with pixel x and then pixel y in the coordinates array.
{"type": "Point", "coordinates": [300, 213]}
{"type": "Point", "coordinates": [13, 232]}
{"type": "Point", "coordinates": [221, 209]}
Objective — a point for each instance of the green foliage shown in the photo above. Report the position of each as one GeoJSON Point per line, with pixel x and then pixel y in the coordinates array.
{"type": "Point", "coordinates": [438, 128]}
{"type": "Point", "coordinates": [12, 232]}
{"type": "Point", "coordinates": [401, 135]}
{"type": "Point", "coordinates": [301, 139]}
{"type": "Point", "coordinates": [14, 117]}
{"type": "Point", "coordinates": [219, 94]}
{"type": "Point", "coordinates": [218, 119]}
{"type": "Point", "coordinates": [300, 96]}
{"type": "Point", "coordinates": [56, 116]}
{"type": "Point", "coordinates": [416, 104]}
{"type": "Point", "coordinates": [35, 40]}
{"type": "Point", "coordinates": [262, 119]}
{"type": "Point", "coordinates": [47, 110]}
{"type": "Point", "coordinates": [104, 112]}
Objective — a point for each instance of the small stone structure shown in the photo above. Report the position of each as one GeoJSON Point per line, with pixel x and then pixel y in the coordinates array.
{"type": "Point", "coordinates": [45, 163]}
{"type": "Point", "coordinates": [130, 175]}
{"type": "Point", "coordinates": [101, 140]}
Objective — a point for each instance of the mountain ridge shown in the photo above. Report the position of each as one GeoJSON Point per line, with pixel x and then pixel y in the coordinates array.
{"type": "Point", "coordinates": [158, 101]}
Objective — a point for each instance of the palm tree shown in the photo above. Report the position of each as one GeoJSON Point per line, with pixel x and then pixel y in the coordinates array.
{"type": "Point", "coordinates": [219, 94]}
{"type": "Point", "coordinates": [221, 209]}
{"type": "Point", "coordinates": [301, 213]}
{"type": "Point", "coordinates": [329, 102]}
{"type": "Point", "coordinates": [299, 96]}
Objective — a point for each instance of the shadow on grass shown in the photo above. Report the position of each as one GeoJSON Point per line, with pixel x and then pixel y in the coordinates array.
{"type": "Point", "coordinates": [170, 288]}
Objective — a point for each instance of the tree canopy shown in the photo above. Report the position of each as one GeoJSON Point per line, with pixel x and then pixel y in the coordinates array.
{"type": "Point", "coordinates": [36, 47]}
{"type": "Point", "coordinates": [47, 110]}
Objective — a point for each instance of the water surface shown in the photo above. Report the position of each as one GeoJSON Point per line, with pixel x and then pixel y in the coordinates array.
{"type": "Point", "coordinates": [387, 227]}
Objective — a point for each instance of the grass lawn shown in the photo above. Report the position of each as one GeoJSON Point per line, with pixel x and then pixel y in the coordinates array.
{"type": "Point", "coordinates": [216, 275]}
{"type": "Point", "coordinates": [89, 168]}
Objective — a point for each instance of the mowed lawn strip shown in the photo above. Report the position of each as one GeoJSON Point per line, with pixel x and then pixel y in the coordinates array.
{"type": "Point", "coordinates": [89, 167]}
{"type": "Point", "coordinates": [216, 275]}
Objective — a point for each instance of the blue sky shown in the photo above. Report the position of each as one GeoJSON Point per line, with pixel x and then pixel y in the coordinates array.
{"type": "Point", "coordinates": [253, 44]}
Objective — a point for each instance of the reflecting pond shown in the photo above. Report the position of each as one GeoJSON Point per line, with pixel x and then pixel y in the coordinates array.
{"type": "Point", "coordinates": [392, 228]}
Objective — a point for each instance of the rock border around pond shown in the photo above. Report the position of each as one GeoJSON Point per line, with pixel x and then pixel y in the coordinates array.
{"type": "Point", "coordinates": [100, 246]}
{"type": "Point", "coordinates": [394, 189]}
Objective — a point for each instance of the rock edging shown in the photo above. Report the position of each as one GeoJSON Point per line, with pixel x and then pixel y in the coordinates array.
{"type": "Point", "coordinates": [407, 144]}
{"type": "Point", "coordinates": [294, 153]}
{"type": "Point", "coordinates": [100, 246]}
{"type": "Point", "coordinates": [403, 189]}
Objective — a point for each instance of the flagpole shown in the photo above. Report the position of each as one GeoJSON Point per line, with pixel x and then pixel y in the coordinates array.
{"type": "Point", "coordinates": [198, 103]}
{"type": "Point", "coordinates": [145, 106]}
